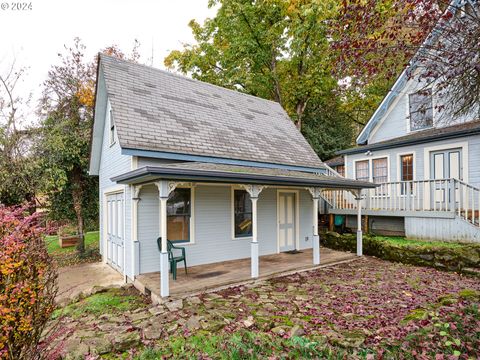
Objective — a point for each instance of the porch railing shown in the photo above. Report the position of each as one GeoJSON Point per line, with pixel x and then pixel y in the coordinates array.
{"type": "Point", "coordinates": [439, 195]}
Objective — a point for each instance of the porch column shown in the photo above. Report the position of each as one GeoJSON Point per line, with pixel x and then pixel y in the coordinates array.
{"type": "Point", "coordinates": [164, 191]}
{"type": "Point", "coordinates": [254, 245]}
{"type": "Point", "coordinates": [254, 191]}
{"type": "Point", "coordinates": [359, 223]}
{"type": "Point", "coordinates": [315, 192]}
{"type": "Point", "coordinates": [135, 243]}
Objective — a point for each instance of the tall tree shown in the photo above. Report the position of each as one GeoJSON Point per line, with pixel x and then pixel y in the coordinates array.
{"type": "Point", "coordinates": [17, 167]}
{"type": "Point", "coordinates": [273, 49]}
{"type": "Point", "coordinates": [67, 111]}
{"type": "Point", "coordinates": [372, 34]}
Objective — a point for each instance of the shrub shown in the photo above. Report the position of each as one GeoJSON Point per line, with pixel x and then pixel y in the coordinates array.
{"type": "Point", "coordinates": [27, 283]}
{"type": "Point", "coordinates": [462, 258]}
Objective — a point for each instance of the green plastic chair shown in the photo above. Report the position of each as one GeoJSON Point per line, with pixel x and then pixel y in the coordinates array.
{"type": "Point", "coordinates": [173, 260]}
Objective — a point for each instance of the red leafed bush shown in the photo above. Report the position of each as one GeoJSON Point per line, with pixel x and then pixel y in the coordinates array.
{"type": "Point", "coordinates": [27, 283]}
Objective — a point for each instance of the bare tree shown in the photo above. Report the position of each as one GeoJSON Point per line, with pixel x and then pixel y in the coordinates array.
{"type": "Point", "coordinates": [16, 181]}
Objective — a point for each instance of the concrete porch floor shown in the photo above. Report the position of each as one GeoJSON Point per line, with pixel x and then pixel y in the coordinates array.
{"type": "Point", "coordinates": [208, 277]}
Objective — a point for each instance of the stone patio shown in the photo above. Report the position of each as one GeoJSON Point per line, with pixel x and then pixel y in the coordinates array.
{"type": "Point", "coordinates": [206, 278]}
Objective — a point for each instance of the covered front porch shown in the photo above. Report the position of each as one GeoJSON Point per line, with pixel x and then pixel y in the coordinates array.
{"type": "Point", "coordinates": [280, 208]}
{"type": "Point", "coordinates": [204, 278]}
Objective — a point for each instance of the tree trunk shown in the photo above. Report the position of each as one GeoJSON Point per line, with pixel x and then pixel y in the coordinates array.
{"type": "Point", "coordinates": [300, 109]}
{"type": "Point", "coordinates": [77, 195]}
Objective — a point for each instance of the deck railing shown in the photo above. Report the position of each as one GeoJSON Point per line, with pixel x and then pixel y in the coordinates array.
{"type": "Point", "coordinates": [439, 195]}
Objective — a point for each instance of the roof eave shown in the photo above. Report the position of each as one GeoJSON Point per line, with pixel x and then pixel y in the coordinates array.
{"type": "Point", "coordinates": [395, 144]}
{"type": "Point", "coordinates": [149, 174]}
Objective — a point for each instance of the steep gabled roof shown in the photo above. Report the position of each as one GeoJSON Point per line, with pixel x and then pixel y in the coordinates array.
{"type": "Point", "coordinates": [402, 80]}
{"type": "Point", "coordinates": [156, 110]}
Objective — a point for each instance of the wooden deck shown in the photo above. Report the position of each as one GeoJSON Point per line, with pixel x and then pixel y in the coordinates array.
{"type": "Point", "coordinates": [204, 278]}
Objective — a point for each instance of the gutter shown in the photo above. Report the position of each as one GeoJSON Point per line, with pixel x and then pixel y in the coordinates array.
{"type": "Point", "coordinates": [414, 141]}
{"type": "Point", "coordinates": [149, 173]}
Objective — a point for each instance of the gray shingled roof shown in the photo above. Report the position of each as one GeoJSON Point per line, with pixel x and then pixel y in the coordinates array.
{"type": "Point", "coordinates": [160, 111]}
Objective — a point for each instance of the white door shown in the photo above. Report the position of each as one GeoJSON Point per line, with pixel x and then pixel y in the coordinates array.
{"type": "Point", "coordinates": [115, 230]}
{"type": "Point", "coordinates": [445, 164]}
{"type": "Point", "coordinates": [286, 221]}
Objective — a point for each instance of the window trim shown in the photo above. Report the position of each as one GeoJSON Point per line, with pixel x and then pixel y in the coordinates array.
{"type": "Point", "coordinates": [368, 160]}
{"type": "Point", "coordinates": [399, 167]}
{"type": "Point", "coordinates": [111, 127]}
{"type": "Point", "coordinates": [370, 170]}
{"type": "Point", "coordinates": [192, 216]}
{"type": "Point", "coordinates": [232, 211]}
{"type": "Point", "coordinates": [399, 164]}
{"type": "Point", "coordinates": [408, 117]}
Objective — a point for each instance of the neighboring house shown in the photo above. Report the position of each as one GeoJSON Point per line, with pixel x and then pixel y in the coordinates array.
{"type": "Point", "coordinates": [426, 163]}
{"type": "Point", "coordinates": [225, 174]}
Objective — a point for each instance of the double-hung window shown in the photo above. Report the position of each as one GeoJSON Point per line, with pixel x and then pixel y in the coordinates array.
{"type": "Point", "coordinates": [380, 170]}
{"type": "Point", "coordinates": [179, 215]}
{"type": "Point", "coordinates": [362, 171]}
{"type": "Point", "coordinates": [421, 110]}
{"type": "Point", "coordinates": [242, 214]}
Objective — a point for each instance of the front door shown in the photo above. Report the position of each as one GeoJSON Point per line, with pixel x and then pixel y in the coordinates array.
{"type": "Point", "coordinates": [115, 230]}
{"type": "Point", "coordinates": [445, 164]}
{"type": "Point", "coordinates": [286, 221]}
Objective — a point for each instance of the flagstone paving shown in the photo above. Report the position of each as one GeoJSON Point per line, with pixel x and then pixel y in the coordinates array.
{"type": "Point", "coordinates": [362, 303]}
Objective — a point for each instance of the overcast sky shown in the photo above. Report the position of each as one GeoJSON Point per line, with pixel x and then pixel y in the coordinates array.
{"type": "Point", "coordinates": [36, 36]}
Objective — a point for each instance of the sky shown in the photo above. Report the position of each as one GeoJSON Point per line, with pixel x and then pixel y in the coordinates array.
{"type": "Point", "coordinates": [35, 37]}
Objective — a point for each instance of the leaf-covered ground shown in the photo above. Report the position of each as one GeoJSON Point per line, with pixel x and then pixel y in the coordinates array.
{"type": "Point", "coordinates": [366, 309]}
{"type": "Point", "coordinates": [68, 256]}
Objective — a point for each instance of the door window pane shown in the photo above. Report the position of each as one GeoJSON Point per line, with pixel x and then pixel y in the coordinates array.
{"type": "Point", "coordinates": [438, 171]}
{"type": "Point", "coordinates": [406, 163]}
{"type": "Point", "coordinates": [421, 110]}
{"type": "Point", "coordinates": [362, 171]}
{"type": "Point", "coordinates": [242, 207]}
{"type": "Point", "coordinates": [380, 170]}
{"type": "Point", "coordinates": [178, 215]}
{"type": "Point", "coordinates": [454, 158]}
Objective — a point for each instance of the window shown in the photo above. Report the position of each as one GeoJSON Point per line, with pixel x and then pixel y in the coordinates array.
{"type": "Point", "coordinates": [362, 171]}
{"type": "Point", "coordinates": [178, 215]}
{"type": "Point", "coordinates": [242, 213]}
{"type": "Point", "coordinates": [406, 171]}
{"type": "Point", "coordinates": [421, 110]}
{"type": "Point", "coordinates": [380, 170]}
{"type": "Point", "coordinates": [112, 129]}
{"type": "Point", "coordinates": [341, 170]}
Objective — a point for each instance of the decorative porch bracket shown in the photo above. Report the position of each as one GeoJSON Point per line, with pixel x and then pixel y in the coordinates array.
{"type": "Point", "coordinates": [254, 191]}
{"type": "Point", "coordinates": [135, 244]}
{"type": "Point", "coordinates": [316, 193]}
{"type": "Point", "coordinates": [358, 197]}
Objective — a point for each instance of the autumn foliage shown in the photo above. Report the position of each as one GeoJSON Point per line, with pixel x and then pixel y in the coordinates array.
{"type": "Point", "coordinates": [27, 283]}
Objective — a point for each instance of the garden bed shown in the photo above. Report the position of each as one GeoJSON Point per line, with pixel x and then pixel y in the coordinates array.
{"type": "Point", "coordinates": [458, 257]}
{"type": "Point", "coordinates": [66, 256]}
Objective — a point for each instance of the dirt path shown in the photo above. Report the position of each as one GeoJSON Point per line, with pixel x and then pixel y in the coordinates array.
{"type": "Point", "coordinates": [78, 279]}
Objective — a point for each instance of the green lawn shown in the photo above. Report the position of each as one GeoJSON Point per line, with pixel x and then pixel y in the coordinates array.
{"type": "Point", "coordinates": [91, 240]}
{"type": "Point", "coordinates": [401, 241]}
{"type": "Point", "coordinates": [69, 255]}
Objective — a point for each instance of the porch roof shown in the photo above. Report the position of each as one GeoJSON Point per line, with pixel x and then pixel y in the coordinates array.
{"type": "Point", "coordinates": [223, 173]}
